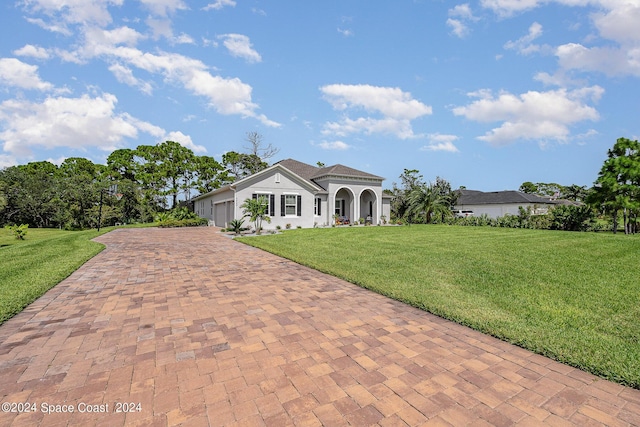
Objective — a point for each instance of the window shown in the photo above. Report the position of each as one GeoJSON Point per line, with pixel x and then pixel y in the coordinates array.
{"type": "Point", "coordinates": [291, 205]}
{"type": "Point", "coordinates": [339, 208]}
{"type": "Point", "coordinates": [317, 206]}
{"type": "Point", "coordinates": [271, 202]}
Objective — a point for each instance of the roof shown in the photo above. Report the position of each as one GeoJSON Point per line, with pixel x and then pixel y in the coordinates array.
{"type": "Point", "coordinates": [472, 197]}
{"type": "Point", "coordinates": [311, 173]}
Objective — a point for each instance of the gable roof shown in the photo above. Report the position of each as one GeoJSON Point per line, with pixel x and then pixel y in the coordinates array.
{"type": "Point", "coordinates": [473, 197]}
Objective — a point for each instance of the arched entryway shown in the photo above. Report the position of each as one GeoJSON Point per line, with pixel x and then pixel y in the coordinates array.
{"type": "Point", "coordinates": [343, 205]}
{"type": "Point", "coordinates": [369, 206]}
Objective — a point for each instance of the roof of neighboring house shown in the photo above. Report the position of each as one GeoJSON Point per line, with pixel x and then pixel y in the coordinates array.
{"type": "Point", "coordinates": [472, 197]}
{"type": "Point", "coordinates": [311, 173]}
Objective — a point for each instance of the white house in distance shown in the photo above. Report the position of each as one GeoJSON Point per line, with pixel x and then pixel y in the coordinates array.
{"type": "Point", "coordinates": [501, 203]}
{"type": "Point", "coordinates": [300, 194]}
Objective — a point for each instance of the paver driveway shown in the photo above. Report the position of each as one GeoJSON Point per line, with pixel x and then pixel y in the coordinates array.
{"type": "Point", "coordinates": [194, 329]}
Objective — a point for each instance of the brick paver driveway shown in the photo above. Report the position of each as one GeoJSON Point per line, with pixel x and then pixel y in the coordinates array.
{"type": "Point", "coordinates": [187, 327]}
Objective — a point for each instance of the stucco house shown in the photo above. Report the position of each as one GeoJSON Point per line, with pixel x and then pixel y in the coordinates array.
{"type": "Point", "coordinates": [500, 203]}
{"type": "Point", "coordinates": [300, 194]}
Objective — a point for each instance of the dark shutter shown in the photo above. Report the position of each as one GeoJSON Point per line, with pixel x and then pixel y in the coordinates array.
{"type": "Point", "coordinates": [272, 205]}
{"type": "Point", "coordinates": [344, 213]}
{"type": "Point", "coordinates": [282, 205]}
{"type": "Point", "coordinates": [254, 196]}
{"type": "Point", "coordinates": [299, 205]}
{"type": "Point", "coordinates": [319, 206]}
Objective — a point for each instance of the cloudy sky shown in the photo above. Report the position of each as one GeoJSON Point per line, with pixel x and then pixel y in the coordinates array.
{"type": "Point", "coordinates": [486, 94]}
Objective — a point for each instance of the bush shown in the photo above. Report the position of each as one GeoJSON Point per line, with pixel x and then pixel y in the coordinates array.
{"type": "Point", "coordinates": [182, 222]}
{"type": "Point", "coordinates": [572, 218]}
{"type": "Point", "coordinates": [18, 230]}
{"type": "Point", "coordinates": [180, 217]}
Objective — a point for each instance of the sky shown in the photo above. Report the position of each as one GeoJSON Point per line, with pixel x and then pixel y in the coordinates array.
{"type": "Point", "coordinates": [486, 94]}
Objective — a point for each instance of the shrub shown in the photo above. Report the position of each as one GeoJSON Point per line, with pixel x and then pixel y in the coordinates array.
{"type": "Point", "coordinates": [182, 223]}
{"type": "Point", "coordinates": [236, 225]}
{"type": "Point", "coordinates": [19, 231]}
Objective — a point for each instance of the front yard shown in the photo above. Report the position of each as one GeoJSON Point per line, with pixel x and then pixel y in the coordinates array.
{"type": "Point", "coordinates": [574, 297]}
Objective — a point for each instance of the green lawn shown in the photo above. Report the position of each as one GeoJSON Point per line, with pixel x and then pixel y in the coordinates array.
{"type": "Point", "coordinates": [30, 267]}
{"type": "Point", "coordinates": [574, 297]}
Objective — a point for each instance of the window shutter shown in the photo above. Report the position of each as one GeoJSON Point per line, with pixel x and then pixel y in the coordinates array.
{"type": "Point", "coordinates": [254, 196]}
{"type": "Point", "coordinates": [342, 208]}
{"type": "Point", "coordinates": [282, 205]}
{"type": "Point", "coordinates": [299, 206]}
{"type": "Point", "coordinates": [272, 205]}
{"type": "Point", "coordinates": [319, 206]}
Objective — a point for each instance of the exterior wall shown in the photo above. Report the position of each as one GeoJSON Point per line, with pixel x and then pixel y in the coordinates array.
{"type": "Point", "coordinates": [223, 205]}
{"type": "Point", "coordinates": [356, 188]}
{"type": "Point", "coordinates": [497, 210]}
{"type": "Point", "coordinates": [216, 207]}
{"type": "Point", "coordinates": [277, 184]}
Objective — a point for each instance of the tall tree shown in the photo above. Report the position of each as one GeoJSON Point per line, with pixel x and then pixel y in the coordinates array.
{"type": "Point", "coordinates": [618, 185]}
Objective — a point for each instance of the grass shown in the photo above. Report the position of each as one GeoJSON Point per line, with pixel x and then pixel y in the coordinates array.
{"type": "Point", "coordinates": [30, 267]}
{"type": "Point", "coordinates": [574, 297]}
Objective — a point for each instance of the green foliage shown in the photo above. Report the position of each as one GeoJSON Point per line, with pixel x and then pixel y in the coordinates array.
{"type": "Point", "coordinates": [569, 296]}
{"type": "Point", "coordinates": [256, 211]}
{"type": "Point", "coordinates": [19, 231]}
{"type": "Point", "coordinates": [236, 225]}
{"type": "Point", "coordinates": [571, 218]}
{"type": "Point", "coordinates": [179, 217]}
{"type": "Point", "coordinates": [617, 188]}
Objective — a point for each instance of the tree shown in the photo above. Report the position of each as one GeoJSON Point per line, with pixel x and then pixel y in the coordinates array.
{"type": "Point", "coordinates": [427, 201]}
{"type": "Point", "coordinates": [528, 187]}
{"type": "Point", "coordinates": [209, 174]}
{"type": "Point", "coordinates": [617, 187]}
{"type": "Point", "coordinates": [240, 165]}
{"type": "Point", "coordinates": [409, 179]}
{"type": "Point", "coordinates": [257, 149]}
{"type": "Point", "coordinates": [256, 210]}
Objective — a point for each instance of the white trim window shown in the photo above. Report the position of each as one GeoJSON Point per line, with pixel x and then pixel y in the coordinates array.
{"type": "Point", "coordinates": [291, 205]}
{"type": "Point", "coordinates": [317, 206]}
{"type": "Point", "coordinates": [339, 207]}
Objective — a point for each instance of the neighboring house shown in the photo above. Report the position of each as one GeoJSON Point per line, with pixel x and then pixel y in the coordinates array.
{"type": "Point", "coordinates": [500, 203]}
{"type": "Point", "coordinates": [300, 195]}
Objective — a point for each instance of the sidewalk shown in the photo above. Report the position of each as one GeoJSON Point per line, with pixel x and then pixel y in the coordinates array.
{"type": "Point", "coordinates": [187, 327]}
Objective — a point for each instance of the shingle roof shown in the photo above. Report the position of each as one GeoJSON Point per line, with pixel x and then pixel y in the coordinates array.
{"type": "Point", "coordinates": [472, 197]}
{"type": "Point", "coordinates": [311, 173]}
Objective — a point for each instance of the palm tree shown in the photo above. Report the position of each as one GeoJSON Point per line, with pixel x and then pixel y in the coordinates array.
{"type": "Point", "coordinates": [424, 200]}
{"type": "Point", "coordinates": [256, 210]}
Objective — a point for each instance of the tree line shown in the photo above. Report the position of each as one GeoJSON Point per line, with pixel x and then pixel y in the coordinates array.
{"type": "Point", "coordinates": [614, 196]}
{"type": "Point", "coordinates": [137, 184]}
{"type": "Point", "coordinates": [134, 185]}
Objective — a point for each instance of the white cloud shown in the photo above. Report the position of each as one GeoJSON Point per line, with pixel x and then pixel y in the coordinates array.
{"type": "Point", "coordinates": [32, 51]}
{"type": "Point", "coordinates": [219, 4]}
{"type": "Point", "coordinates": [334, 145]}
{"type": "Point", "coordinates": [610, 61]}
{"type": "Point", "coordinates": [240, 46]}
{"type": "Point", "coordinates": [184, 140]}
{"type": "Point", "coordinates": [459, 17]}
{"type": "Point", "coordinates": [396, 107]}
{"type": "Point", "coordinates": [164, 7]}
{"type": "Point", "coordinates": [440, 142]}
{"type": "Point", "coordinates": [15, 73]}
{"type": "Point", "coordinates": [524, 45]}
{"type": "Point", "coordinates": [63, 122]}
{"type": "Point", "coordinates": [125, 75]}
{"type": "Point", "coordinates": [346, 32]}
{"type": "Point", "coordinates": [72, 12]}
{"type": "Point", "coordinates": [533, 115]}
{"type": "Point", "coordinates": [226, 95]}
{"type": "Point", "coordinates": [54, 28]}
{"type": "Point", "coordinates": [7, 161]}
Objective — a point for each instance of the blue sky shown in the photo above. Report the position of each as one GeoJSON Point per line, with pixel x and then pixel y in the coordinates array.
{"type": "Point", "coordinates": [486, 94]}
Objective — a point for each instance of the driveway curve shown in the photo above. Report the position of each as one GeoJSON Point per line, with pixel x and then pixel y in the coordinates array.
{"type": "Point", "coordinates": [187, 327]}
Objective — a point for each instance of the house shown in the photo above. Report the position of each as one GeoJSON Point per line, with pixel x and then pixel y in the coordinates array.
{"type": "Point", "coordinates": [501, 203]}
{"type": "Point", "coordinates": [301, 195]}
